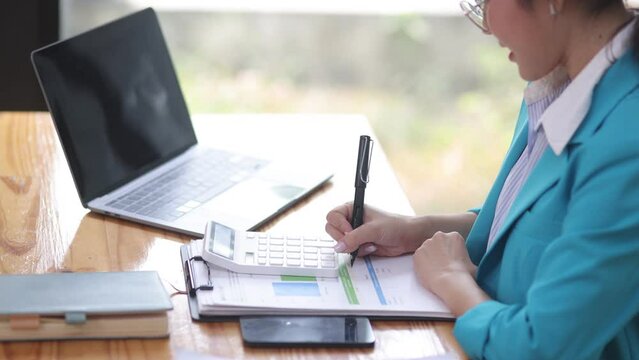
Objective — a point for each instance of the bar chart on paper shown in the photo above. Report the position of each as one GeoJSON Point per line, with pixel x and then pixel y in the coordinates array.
{"type": "Point", "coordinates": [373, 286]}
{"type": "Point", "coordinates": [296, 286]}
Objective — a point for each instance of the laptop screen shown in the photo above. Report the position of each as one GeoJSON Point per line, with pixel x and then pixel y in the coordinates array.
{"type": "Point", "coordinates": [116, 102]}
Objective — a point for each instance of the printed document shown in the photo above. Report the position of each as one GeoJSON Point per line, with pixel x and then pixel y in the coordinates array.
{"type": "Point", "coordinates": [374, 286]}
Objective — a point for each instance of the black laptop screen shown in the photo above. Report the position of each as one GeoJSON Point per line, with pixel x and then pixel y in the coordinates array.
{"type": "Point", "coordinates": [116, 102]}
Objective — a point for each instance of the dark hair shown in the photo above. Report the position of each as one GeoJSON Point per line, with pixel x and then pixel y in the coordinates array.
{"type": "Point", "coordinates": [595, 7]}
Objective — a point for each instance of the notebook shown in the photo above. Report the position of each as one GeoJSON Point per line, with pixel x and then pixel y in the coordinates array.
{"type": "Point", "coordinates": [128, 139]}
{"type": "Point", "coordinates": [376, 287]}
{"type": "Point", "coordinates": [83, 306]}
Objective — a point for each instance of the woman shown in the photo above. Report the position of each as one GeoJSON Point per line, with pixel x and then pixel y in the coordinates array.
{"type": "Point", "coordinates": [548, 267]}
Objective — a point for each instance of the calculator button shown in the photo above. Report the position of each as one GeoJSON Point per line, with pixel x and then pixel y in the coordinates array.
{"type": "Point", "coordinates": [324, 244]}
{"type": "Point", "coordinates": [328, 264]}
{"type": "Point", "coordinates": [248, 258]}
{"type": "Point", "coordinates": [294, 242]}
{"type": "Point", "coordinates": [261, 260]}
{"type": "Point", "coordinates": [262, 236]}
{"type": "Point", "coordinates": [310, 256]}
{"type": "Point", "coordinates": [261, 254]}
{"type": "Point", "coordinates": [262, 247]}
{"type": "Point", "coordinates": [276, 237]}
{"type": "Point", "coordinates": [277, 248]}
{"type": "Point", "coordinates": [250, 235]}
{"type": "Point", "coordinates": [277, 262]}
{"type": "Point", "coordinates": [293, 237]}
{"type": "Point", "coordinates": [293, 262]}
{"type": "Point", "coordinates": [262, 241]}
{"type": "Point", "coordinates": [276, 242]}
{"type": "Point", "coordinates": [327, 257]}
{"type": "Point", "coordinates": [293, 256]}
{"type": "Point", "coordinates": [293, 249]}
{"type": "Point", "coordinates": [276, 255]}
{"type": "Point", "coordinates": [310, 250]}
{"type": "Point", "coordinates": [310, 263]}
{"type": "Point", "coordinates": [327, 251]}
{"type": "Point", "coordinates": [310, 243]}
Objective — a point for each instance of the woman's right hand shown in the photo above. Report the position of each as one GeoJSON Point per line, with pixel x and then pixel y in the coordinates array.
{"type": "Point", "coordinates": [382, 233]}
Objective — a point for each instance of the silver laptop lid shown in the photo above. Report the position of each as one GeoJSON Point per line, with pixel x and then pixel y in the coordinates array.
{"type": "Point", "coordinates": [115, 101]}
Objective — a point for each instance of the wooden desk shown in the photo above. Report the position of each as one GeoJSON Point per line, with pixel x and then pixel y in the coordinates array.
{"type": "Point", "coordinates": [44, 228]}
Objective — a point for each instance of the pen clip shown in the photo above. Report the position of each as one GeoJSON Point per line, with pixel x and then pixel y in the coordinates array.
{"type": "Point", "coordinates": [360, 171]}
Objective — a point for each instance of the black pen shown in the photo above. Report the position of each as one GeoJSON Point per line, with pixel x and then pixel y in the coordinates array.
{"type": "Point", "coordinates": [361, 179]}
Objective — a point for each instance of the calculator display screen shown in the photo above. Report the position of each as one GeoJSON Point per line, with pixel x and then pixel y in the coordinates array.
{"type": "Point", "coordinates": [223, 241]}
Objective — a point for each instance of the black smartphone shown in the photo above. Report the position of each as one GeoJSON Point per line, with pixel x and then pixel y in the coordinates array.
{"type": "Point", "coordinates": [342, 331]}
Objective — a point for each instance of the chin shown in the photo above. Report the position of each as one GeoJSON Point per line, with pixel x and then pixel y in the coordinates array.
{"type": "Point", "coordinates": [535, 70]}
{"type": "Point", "coordinates": [528, 75]}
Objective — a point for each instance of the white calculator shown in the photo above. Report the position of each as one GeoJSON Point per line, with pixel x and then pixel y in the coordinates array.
{"type": "Point", "coordinates": [270, 254]}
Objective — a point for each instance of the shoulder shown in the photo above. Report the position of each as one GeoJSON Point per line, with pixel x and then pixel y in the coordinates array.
{"type": "Point", "coordinates": [621, 125]}
{"type": "Point", "coordinates": [624, 115]}
{"type": "Point", "coordinates": [612, 122]}
{"type": "Point", "coordinates": [613, 146]}
{"type": "Point", "coordinates": [615, 101]}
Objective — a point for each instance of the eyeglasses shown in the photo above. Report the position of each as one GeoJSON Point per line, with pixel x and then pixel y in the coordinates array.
{"type": "Point", "coordinates": [475, 12]}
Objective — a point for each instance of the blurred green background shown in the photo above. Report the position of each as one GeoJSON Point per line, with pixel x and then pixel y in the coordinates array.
{"type": "Point", "coordinates": [441, 96]}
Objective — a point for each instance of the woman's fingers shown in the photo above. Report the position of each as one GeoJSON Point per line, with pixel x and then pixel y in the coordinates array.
{"type": "Point", "coordinates": [338, 221]}
{"type": "Point", "coordinates": [352, 240]}
{"type": "Point", "coordinates": [334, 232]}
{"type": "Point", "coordinates": [366, 249]}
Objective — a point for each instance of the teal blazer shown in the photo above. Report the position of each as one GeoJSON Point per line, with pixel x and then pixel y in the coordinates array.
{"type": "Point", "coordinates": [564, 268]}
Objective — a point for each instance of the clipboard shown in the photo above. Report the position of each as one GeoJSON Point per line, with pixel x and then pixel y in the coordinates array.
{"type": "Point", "coordinates": [193, 286]}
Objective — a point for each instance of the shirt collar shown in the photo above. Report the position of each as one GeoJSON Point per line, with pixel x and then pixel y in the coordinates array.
{"type": "Point", "coordinates": [563, 117]}
{"type": "Point", "coordinates": [539, 90]}
{"type": "Point", "coordinates": [540, 94]}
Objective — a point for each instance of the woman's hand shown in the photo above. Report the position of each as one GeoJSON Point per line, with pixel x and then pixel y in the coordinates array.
{"type": "Point", "coordinates": [443, 266]}
{"type": "Point", "coordinates": [382, 233]}
{"type": "Point", "coordinates": [439, 257]}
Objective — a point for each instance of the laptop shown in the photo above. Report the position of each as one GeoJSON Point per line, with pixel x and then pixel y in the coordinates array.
{"type": "Point", "coordinates": [128, 139]}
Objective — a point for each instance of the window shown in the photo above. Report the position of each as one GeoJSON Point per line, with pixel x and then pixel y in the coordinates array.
{"type": "Point", "coordinates": [441, 96]}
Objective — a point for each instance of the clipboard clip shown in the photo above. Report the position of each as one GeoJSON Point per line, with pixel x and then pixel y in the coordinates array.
{"type": "Point", "coordinates": [192, 286]}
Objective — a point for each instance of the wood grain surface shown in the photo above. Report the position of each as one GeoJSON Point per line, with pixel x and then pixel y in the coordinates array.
{"type": "Point", "coordinates": [44, 228]}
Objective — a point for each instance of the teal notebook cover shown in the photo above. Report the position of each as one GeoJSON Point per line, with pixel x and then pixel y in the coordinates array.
{"type": "Point", "coordinates": [98, 305]}
{"type": "Point", "coordinates": [133, 292]}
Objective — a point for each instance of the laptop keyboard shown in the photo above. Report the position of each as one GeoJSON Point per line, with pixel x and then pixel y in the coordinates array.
{"type": "Point", "coordinates": [188, 186]}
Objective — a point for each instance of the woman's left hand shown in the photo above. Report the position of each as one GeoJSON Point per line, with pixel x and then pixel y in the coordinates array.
{"type": "Point", "coordinates": [442, 261]}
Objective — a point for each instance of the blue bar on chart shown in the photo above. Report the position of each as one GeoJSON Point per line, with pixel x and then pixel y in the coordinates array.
{"type": "Point", "coordinates": [296, 289]}
{"type": "Point", "coordinates": [376, 284]}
